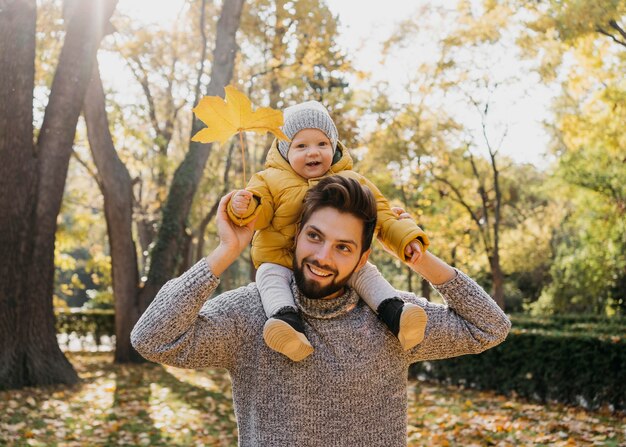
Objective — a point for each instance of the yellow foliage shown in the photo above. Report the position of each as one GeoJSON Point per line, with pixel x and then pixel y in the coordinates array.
{"type": "Point", "coordinates": [225, 118]}
{"type": "Point", "coordinates": [58, 303]}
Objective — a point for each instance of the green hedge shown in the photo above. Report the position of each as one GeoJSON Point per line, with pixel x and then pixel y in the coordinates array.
{"type": "Point", "coordinates": [97, 322]}
{"type": "Point", "coordinates": [572, 324]}
{"type": "Point", "coordinates": [574, 369]}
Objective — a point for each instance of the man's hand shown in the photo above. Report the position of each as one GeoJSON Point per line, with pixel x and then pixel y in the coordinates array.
{"type": "Point", "coordinates": [233, 239]}
{"type": "Point", "coordinates": [240, 202]}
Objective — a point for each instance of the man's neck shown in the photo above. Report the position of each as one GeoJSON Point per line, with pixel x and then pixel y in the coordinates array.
{"type": "Point", "coordinates": [337, 294]}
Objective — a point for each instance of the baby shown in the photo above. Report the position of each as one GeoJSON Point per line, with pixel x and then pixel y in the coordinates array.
{"type": "Point", "coordinates": [274, 197]}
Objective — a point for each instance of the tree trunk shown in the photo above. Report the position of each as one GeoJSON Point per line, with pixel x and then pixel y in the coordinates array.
{"type": "Point", "coordinates": [167, 251]}
{"type": "Point", "coordinates": [86, 24]}
{"type": "Point", "coordinates": [116, 185]}
{"type": "Point", "coordinates": [498, 280]}
{"type": "Point", "coordinates": [32, 192]}
{"type": "Point", "coordinates": [409, 279]}
{"type": "Point", "coordinates": [426, 289]}
{"type": "Point", "coordinates": [18, 184]}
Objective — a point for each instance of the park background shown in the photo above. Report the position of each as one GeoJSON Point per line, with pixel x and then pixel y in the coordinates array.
{"type": "Point", "coordinates": [498, 124]}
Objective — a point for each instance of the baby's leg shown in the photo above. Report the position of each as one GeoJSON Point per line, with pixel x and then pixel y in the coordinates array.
{"type": "Point", "coordinates": [273, 282]}
{"type": "Point", "coordinates": [407, 321]}
{"type": "Point", "coordinates": [284, 330]}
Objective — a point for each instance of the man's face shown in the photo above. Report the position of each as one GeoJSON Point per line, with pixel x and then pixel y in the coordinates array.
{"type": "Point", "coordinates": [328, 251]}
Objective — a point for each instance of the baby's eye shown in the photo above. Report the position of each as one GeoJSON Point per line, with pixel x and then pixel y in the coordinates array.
{"type": "Point", "coordinates": [323, 143]}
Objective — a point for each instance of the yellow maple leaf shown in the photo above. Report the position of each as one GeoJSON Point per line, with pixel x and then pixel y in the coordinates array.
{"type": "Point", "coordinates": [226, 117]}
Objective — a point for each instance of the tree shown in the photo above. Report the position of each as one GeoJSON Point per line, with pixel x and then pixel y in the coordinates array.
{"type": "Point", "coordinates": [589, 268]}
{"type": "Point", "coordinates": [462, 160]}
{"type": "Point", "coordinates": [33, 180]}
{"type": "Point", "coordinates": [167, 251]}
{"type": "Point", "coordinates": [131, 299]}
{"type": "Point", "coordinates": [164, 64]}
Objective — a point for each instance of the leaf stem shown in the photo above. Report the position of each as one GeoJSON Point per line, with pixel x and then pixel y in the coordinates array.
{"type": "Point", "coordinates": [243, 158]}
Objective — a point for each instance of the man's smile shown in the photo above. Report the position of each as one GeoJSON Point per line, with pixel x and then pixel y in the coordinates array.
{"type": "Point", "coordinates": [318, 272]}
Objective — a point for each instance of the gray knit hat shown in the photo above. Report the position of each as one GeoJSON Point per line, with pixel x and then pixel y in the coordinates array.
{"type": "Point", "coordinates": [307, 115]}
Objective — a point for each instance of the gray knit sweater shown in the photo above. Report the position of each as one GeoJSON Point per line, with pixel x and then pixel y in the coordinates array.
{"type": "Point", "coordinates": [350, 392]}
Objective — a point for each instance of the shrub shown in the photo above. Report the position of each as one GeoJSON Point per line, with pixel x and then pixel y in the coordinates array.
{"type": "Point", "coordinates": [584, 370]}
{"type": "Point", "coordinates": [95, 322]}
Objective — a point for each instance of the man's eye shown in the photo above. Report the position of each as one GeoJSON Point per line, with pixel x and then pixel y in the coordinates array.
{"type": "Point", "coordinates": [344, 248]}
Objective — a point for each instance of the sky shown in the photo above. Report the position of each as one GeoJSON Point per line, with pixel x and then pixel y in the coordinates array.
{"type": "Point", "coordinates": [365, 25]}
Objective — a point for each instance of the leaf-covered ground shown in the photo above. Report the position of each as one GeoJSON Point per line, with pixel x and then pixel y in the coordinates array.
{"type": "Point", "coordinates": [155, 406]}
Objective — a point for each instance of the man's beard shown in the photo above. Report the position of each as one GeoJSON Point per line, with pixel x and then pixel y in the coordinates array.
{"type": "Point", "coordinates": [312, 289]}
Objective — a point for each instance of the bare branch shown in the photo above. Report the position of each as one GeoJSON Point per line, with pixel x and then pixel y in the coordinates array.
{"type": "Point", "coordinates": [615, 39]}
{"type": "Point", "coordinates": [458, 198]}
{"type": "Point", "coordinates": [618, 28]}
{"type": "Point", "coordinates": [484, 199]}
{"type": "Point", "coordinates": [269, 70]}
{"type": "Point", "coordinates": [141, 75]}
{"type": "Point", "coordinates": [88, 168]}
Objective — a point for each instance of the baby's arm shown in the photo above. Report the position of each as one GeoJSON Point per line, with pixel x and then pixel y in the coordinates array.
{"type": "Point", "coordinates": [397, 231]}
{"type": "Point", "coordinates": [240, 203]}
{"type": "Point", "coordinates": [414, 249]}
{"type": "Point", "coordinates": [255, 203]}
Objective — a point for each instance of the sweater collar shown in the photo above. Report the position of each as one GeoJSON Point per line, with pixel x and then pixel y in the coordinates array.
{"type": "Point", "coordinates": [325, 309]}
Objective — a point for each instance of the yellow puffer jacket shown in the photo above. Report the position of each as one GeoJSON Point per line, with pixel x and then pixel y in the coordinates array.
{"type": "Point", "coordinates": [279, 192]}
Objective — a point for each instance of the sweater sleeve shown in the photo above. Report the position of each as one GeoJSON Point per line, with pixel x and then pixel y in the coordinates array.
{"type": "Point", "coordinates": [469, 323]}
{"type": "Point", "coordinates": [181, 328]}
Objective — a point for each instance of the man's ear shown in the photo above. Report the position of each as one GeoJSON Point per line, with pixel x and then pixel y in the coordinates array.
{"type": "Point", "coordinates": [364, 257]}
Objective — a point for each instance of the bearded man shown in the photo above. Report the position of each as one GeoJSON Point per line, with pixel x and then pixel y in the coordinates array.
{"type": "Point", "coordinates": [352, 391]}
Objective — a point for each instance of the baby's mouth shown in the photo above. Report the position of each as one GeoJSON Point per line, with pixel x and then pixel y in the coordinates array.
{"type": "Point", "coordinates": [313, 163]}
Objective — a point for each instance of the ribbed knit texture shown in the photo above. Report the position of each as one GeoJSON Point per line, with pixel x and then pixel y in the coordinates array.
{"type": "Point", "coordinates": [307, 115]}
{"type": "Point", "coordinates": [350, 392]}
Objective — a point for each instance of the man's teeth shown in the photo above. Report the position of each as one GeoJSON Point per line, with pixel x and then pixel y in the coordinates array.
{"type": "Point", "coordinates": [318, 272]}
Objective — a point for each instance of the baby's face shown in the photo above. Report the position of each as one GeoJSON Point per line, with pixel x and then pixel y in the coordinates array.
{"type": "Point", "coordinates": [310, 153]}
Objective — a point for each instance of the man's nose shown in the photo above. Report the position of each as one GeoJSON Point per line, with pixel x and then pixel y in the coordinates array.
{"type": "Point", "coordinates": [322, 255]}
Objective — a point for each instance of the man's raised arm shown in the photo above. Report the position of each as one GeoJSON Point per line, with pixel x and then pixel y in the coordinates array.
{"type": "Point", "coordinates": [176, 329]}
{"type": "Point", "coordinates": [470, 321]}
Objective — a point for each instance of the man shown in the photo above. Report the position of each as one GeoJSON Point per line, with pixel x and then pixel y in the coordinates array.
{"type": "Point", "coordinates": [352, 390]}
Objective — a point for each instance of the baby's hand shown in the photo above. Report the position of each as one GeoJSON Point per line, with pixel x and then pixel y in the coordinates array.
{"type": "Point", "coordinates": [240, 202]}
{"type": "Point", "coordinates": [413, 251]}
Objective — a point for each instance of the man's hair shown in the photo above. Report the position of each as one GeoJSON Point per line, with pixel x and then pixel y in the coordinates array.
{"type": "Point", "coordinates": [347, 196]}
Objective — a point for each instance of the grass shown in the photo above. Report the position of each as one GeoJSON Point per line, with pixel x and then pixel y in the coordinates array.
{"type": "Point", "coordinates": [152, 405]}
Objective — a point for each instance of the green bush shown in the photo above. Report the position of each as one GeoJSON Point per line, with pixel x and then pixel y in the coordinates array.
{"type": "Point", "coordinates": [95, 322]}
{"type": "Point", "coordinates": [574, 369]}
{"type": "Point", "coordinates": [572, 324]}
